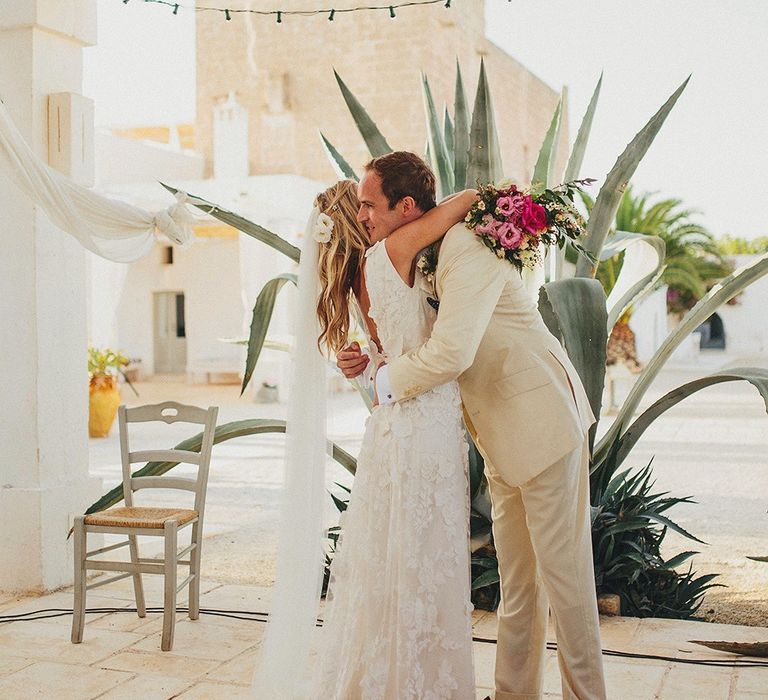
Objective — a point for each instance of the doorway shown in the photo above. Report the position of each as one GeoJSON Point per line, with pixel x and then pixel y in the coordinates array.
{"type": "Point", "coordinates": [712, 333]}
{"type": "Point", "coordinates": [170, 333]}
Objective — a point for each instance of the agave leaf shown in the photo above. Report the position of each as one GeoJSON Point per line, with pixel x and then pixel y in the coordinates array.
{"type": "Point", "coordinates": [756, 376]}
{"type": "Point", "coordinates": [762, 559]}
{"type": "Point", "coordinates": [608, 200]}
{"type": "Point", "coordinates": [754, 649]}
{"type": "Point", "coordinates": [460, 132]}
{"type": "Point", "coordinates": [574, 311]}
{"type": "Point", "coordinates": [242, 224]}
{"type": "Point", "coordinates": [664, 520]}
{"type": "Point", "coordinates": [481, 503]}
{"type": "Point", "coordinates": [341, 506]}
{"type": "Point", "coordinates": [448, 138]}
{"type": "Point", "coordinates": [484, 163]}
{"type": "Point", "coordinates": [226, 431]}
{"type": "Point", "coordinates": [262, 315]}
{"type": "Point", "coordinates": [642, 268]}
{"type": "Point", "coordinates": [476, 467]}
{"type": "Point", "coordinates": [722, 292]}
{"type": "Point", "coordinates": [582, 137]}
{"type": "Point", "coordinates": [675, 561]}
{"type": "Point", "coordinates": [487, 578]}
{"type": "Point", "coordinates": [269, 344]}
{"type": "Point", "coordinates": [342, 168]}
{"type": "Point", "coordinates": [437, 149]}
{"type": "Point", "coordinates": [546, 153]}
{"type": "Point", "coordinates": [374, 140]}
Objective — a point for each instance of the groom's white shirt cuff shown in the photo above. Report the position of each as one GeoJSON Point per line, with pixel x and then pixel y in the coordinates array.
{"type": "Point", "coordinates": [384, 386]}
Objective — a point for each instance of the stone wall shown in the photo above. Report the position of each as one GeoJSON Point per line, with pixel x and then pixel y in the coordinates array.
{"type": "Point", "coordinates": [283, 74]}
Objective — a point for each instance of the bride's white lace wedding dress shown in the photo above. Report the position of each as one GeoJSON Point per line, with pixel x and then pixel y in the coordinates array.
{"type": "Point", "coordinates": [398, 616]}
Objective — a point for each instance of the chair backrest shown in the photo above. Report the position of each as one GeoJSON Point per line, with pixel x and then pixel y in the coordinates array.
{"type": "Point", "coordinates": [168, 412]}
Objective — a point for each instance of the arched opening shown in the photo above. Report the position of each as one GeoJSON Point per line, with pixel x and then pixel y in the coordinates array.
{"type": "Point", "coordinates": [712, 333]}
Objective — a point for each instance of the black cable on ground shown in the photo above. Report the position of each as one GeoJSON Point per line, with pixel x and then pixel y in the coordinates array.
{"type": "Point", "coordinates": [257, 616]}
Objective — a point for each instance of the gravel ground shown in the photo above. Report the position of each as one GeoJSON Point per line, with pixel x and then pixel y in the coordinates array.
{"type": "Point", "coordinates": [712, 446]}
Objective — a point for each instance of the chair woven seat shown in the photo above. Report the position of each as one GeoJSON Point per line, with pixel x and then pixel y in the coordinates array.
{"type": "Point", "coordinates": [145, 517]}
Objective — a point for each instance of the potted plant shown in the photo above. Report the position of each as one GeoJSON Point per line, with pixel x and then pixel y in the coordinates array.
{"type": "Point", "coordinates": [103, 393]}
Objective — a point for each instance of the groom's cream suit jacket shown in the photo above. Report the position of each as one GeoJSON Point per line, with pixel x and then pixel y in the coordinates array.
{"type": "Point", "coordinates": [515, 379]}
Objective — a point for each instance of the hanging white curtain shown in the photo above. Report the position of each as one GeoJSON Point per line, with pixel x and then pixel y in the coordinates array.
{"type": "Point", "coordinates": [112, 229]}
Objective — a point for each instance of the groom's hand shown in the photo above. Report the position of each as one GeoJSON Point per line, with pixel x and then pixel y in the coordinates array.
{"type": "Point", "coordinates": [352, 361]}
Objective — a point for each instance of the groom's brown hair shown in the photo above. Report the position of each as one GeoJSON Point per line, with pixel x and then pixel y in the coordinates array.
{"type": "Point", "coordinates": [404, 174]}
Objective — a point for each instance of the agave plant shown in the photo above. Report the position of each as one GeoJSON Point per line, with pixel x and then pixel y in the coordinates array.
{"type": "Point", "coordinates": [464, 150]}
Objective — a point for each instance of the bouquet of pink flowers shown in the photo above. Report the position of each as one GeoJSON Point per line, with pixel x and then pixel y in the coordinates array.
{"type": "Point", "coordinates": [513, 222]}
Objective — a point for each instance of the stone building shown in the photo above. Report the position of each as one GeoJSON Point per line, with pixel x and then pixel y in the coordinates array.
{"type": "Point", "coordinates": [283, 75]}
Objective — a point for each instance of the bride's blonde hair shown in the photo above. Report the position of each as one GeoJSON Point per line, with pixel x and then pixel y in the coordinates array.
{"type": "Point", "coordinates": [339, 262]}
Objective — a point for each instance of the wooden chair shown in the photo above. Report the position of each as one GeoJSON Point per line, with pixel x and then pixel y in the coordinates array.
{"type": "Point", "coordinates": [131, 520]}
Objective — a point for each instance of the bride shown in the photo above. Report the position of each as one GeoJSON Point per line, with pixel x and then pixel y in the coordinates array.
{"type": "Point", "coordinates": [398, 614]}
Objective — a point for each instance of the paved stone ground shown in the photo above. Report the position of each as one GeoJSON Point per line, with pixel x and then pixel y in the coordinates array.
{"type": "Point", "coordinates": [213, 658]}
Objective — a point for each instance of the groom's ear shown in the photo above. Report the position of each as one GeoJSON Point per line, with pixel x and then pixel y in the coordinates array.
{"type": "Point", "coordinates": [408, 205]}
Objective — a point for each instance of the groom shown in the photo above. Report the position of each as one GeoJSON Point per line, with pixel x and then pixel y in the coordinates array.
{"type": "Point", "coordinates": [529, 415]}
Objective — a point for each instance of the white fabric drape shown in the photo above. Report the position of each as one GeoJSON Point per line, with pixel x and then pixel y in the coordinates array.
{"type": "Point", "coordinates": [112, 229]}
{"type": "Point", "coordinates": [283, 665]}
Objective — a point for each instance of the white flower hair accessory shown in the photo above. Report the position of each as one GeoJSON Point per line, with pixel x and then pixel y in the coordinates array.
{"type": "Point", "coordinates": [323, 228]}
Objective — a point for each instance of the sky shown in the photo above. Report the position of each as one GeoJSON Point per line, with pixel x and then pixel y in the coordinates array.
{"type": "Point", "coordinates": [710, 153]}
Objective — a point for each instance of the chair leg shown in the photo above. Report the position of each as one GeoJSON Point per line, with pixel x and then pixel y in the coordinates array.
{"type": "Point", "coordinates": [169, 598]}
{"type": "Point", "coordinates": [194, 570]}
{"type": "Point", "coordinates": [138, 586]}
{"type": "Point", "coordinates": [80, 551]}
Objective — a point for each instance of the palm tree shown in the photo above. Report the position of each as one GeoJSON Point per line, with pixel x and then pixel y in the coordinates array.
{"type": "Point", "coordinates": [694, 261]}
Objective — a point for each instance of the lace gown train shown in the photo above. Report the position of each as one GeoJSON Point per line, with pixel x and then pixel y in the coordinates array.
{"type": "Point", "coordinates": [398, 616]}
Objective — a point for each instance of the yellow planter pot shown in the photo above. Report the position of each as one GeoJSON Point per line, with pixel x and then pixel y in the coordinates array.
{"type": "Point", "coordinates": [104, 399]}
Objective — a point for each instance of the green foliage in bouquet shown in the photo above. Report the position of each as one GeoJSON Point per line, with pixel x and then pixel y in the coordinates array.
{"type": "Point", "coordinates": [464, 151]}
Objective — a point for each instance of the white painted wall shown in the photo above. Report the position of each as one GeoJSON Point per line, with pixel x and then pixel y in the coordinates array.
{"type": "Point", "coordinates": [746, 322]}
{"type": "Point", "coordinates": [221, 278]}
{"type": "Point", "coordinates": [649, 323]}
{"type": "Point", "coordinates": [43, 378]}
{"type": "Point", "coordinates": [120, 160]}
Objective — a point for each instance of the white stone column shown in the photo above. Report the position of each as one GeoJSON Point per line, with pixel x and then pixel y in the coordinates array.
{"type": "Point", "coordinates": [43, 374]}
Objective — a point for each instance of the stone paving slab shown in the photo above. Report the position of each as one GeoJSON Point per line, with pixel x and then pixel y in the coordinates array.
{"type": "Point", "coordinates": [45, 642]}
{"type": "Point", "coordinates": [59, 680]}
{"type": "Point", "coordinates": [160, 663]}
{"type": "Point", "coordinates": [147, 687]}
{"type": "Point", "coordinates": [214, 657]}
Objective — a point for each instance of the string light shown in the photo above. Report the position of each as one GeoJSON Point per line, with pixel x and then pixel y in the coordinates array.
{"type": "Point", "coordinates": [278, 14]}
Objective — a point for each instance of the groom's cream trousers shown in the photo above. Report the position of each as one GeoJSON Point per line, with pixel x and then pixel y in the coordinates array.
{"type": "Point", "coordinates": [543, 542]}
{"type": "Point", "coordinates": [532, 416]}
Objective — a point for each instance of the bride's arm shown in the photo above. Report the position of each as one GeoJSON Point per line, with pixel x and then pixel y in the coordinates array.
{"type": "Point", "coordinates": [405, 243]}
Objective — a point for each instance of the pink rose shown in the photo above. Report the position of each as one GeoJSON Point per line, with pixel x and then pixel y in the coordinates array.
{"type": "Point", "coordinates": [534, 216]}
